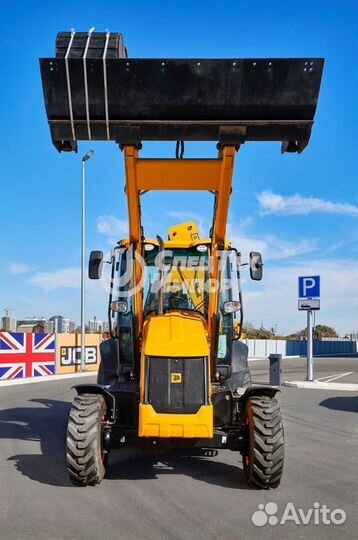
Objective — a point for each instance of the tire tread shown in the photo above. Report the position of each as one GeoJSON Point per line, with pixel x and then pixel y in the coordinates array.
{"type": "Point", "coordinates": [83, 445]}
{"type": "Point", "coordinates": [265, 442]}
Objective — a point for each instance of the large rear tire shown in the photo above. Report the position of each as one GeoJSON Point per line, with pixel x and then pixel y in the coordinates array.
{"type": "Point", "coordinates": [86, 459]}
{"type": "Point", "coordinates": [264, 455]}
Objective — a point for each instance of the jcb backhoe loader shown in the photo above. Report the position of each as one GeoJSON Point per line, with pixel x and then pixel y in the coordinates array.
{"type": "Point", "coordinates": [175, 373]}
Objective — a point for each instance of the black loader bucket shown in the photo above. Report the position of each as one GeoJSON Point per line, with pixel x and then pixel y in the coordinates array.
{"type": "Point", "coordinates": [94, 92]}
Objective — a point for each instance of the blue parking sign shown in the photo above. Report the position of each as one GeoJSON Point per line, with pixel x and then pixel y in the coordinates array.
{"type": "Point", "coordinates": [309, 287]}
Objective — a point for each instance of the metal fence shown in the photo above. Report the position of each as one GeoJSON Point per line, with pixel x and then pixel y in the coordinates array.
{"type": "Point", "coordinates": [262, 348]}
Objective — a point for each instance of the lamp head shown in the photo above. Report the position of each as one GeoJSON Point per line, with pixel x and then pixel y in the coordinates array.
{"type": "Point", "coordinates": [88, 155]}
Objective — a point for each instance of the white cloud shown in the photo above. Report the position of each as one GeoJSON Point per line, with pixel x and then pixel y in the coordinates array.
{"type": "Point", "coordinates": [347, 243]}
{"type": "Point", "coordinates": [182, 215]}
{"type": "Point", "coordinates": [274, 300]}
{"type": "Point", "coordinates": [271, 247]}
{"type": "Point", "coordinates": [58, 279]}
{"type": "Point", "coordinates": [113, 228]}
{"type": "Point", "coordinates": [16, 268]}
{"type": "Point", "coordinates": [273, 203]}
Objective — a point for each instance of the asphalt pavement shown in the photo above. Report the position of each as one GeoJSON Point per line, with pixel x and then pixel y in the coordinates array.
{"type": "Point", "coordinates": [173, 495]}
{"type": "Point", "coordinates": [331, 369]}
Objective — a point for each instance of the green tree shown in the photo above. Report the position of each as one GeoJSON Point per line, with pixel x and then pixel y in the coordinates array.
{"type": "Point", "coordinates": [257, 333]}
{"type": "Point", "coordinates": [320, 330]}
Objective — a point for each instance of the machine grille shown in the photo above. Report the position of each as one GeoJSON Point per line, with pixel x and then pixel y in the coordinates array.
{"type": "Point", "coordinates": [176, 385]}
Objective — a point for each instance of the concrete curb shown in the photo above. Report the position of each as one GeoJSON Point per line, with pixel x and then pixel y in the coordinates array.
{"type": "Point", "coordinates": [49, 378]}
{"type": "Point", "coordinates": [317, 385]}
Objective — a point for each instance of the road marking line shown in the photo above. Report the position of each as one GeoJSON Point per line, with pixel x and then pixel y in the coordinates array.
{"type": "Point", "coordinates": [335, 377]}
{"type": "Point", "coordinates": [332, 376]}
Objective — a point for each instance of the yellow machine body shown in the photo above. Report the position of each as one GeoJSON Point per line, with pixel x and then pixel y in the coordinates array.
{"type": "Point", "coordinates": [188, 426]}
{"type": "Point", "coordinates": [188, 335]}
{"type": "Point", "coordinates": [175, 334]}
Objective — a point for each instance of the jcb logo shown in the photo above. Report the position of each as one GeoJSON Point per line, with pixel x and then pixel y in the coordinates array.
{"type": "Point", "coordinates": [176, 378]}
{"type": "Point", "coordinates": [71, 356]}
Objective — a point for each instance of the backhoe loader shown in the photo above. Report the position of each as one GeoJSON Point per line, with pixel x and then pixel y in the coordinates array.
{"type": "Point", "coordinates": [174, 373]}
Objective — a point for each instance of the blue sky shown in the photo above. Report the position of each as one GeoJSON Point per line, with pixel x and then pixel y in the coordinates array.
{"type": "Point", "coordinates": [300, 210]}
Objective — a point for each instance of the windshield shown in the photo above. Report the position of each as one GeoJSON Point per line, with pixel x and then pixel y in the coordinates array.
{"type": "Point", "coordinates": [185, 273]}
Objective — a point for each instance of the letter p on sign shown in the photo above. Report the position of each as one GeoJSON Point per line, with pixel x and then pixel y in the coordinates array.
{"type": "Point", "coordinates": [309, 287]}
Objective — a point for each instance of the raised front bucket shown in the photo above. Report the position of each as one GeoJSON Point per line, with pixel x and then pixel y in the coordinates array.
{"type": "Point", "coordinates": [132, 100]}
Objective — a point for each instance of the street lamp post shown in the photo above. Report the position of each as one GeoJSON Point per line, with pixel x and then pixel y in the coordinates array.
{"type": "Point", "coordinates": [85, 158]}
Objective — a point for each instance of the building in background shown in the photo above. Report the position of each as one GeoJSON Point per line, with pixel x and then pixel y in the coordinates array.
{"type": "Point", "coordinates": [37, 328]}
{"type": "Point", "coordinates": [73, 327]}
{"type": "Point", "coordinates": [95, 325]}
{"type": "Point", "coordinates": [105, 326]}
{"type": "Point", "coordinates": [9, 324]}
{"type": "Point", "coordinates": [49, 327]}
{"type": "Point", "coordinates": [63, 324]}
{"type": "Point", "coordinates": [31, 321]}
{"type": "Point", "coordinates": [38, 324]}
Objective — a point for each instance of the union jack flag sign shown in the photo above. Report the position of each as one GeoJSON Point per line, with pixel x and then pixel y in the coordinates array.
{"type": "Point", "coordinates": [26, 355]}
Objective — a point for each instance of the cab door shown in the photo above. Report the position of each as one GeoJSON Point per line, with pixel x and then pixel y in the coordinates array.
{"type": "Point", "coordinates": [229, 323]}
{"type": "Point", "coordinates": [122, 322]}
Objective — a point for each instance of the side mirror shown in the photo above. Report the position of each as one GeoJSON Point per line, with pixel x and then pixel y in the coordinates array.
{"type": "Point", "coordinates": [255, 266]}
{"type": "Point", "coordinates": [95, 265]}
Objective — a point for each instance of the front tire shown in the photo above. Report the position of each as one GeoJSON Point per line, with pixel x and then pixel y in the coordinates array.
{"type": "Point", "coordinates": [264, 455]}
{"type": "Point", "coordinates": [86, 459]}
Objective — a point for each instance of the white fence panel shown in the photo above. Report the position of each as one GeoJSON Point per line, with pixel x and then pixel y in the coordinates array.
{"type": "Point", "coordinates": [281, 346]}
{"type": "Point", "coordinates": [262, 348]}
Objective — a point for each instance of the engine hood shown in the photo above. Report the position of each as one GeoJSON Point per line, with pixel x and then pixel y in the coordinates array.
{"type": "Point", "coordinates": [175, 334]}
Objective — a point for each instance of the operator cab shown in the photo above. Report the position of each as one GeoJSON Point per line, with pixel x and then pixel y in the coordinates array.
{"type": "Point", "coordinates": [175, 278]}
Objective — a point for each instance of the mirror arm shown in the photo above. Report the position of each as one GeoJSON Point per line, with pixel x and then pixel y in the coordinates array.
{"type": "Point", "coordinates": [110, 298]}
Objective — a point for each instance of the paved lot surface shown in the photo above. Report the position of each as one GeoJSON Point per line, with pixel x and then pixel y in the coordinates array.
{"type": "Point", "coordinates": [172, 496]}
{"type": "Point", "coordinates": [339, 370]}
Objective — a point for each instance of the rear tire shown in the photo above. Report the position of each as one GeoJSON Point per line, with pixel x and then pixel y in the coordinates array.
{"type": "Point", "coordinates": [264, 456]}
{"type": "Point", "coordinates": [86, 459]}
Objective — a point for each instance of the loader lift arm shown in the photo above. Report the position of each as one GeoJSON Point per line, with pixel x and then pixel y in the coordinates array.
{"type": "Point", "coordinates": [214, 175]}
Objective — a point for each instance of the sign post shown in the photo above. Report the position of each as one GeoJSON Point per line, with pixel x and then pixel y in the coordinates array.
{"type": "Point", "coordinates": [56, 343]}
{"type": "Point", "coordinates": [309, 300]}
{"type": "Point", "coordinates": [309, 346]}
